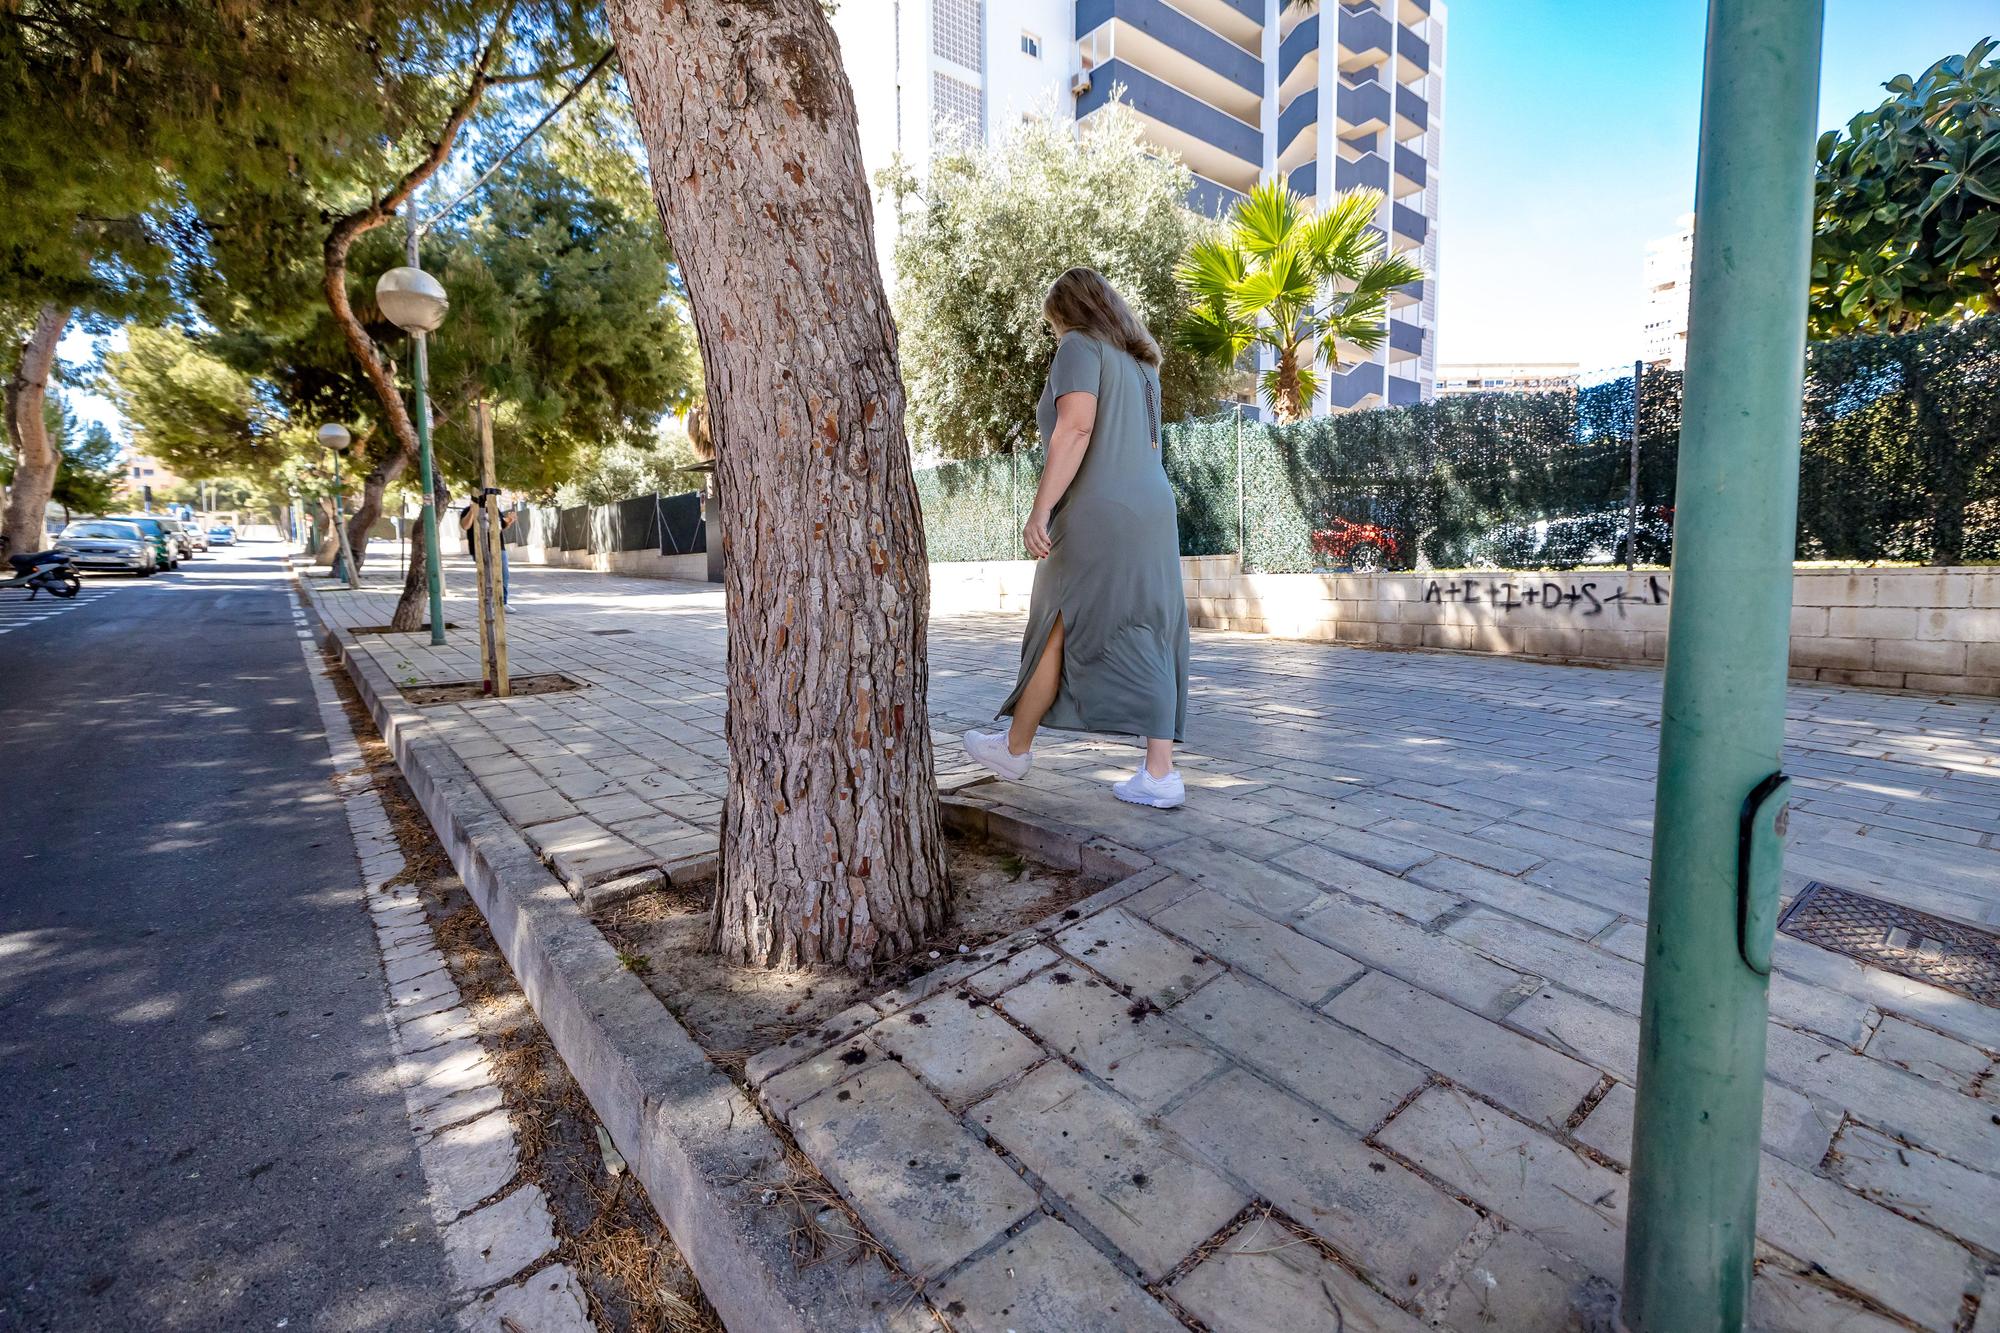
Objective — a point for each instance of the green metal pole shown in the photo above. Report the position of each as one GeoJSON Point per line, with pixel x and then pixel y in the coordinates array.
{"type": "Point", "coordinates": [339, 568]}
{"type": "Point", "coordinates": [420, 377]}
{"type": "Point", "coordinates": [1718, 818]}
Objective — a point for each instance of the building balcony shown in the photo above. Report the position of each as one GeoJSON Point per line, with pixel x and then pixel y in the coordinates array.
{"type": "Point", "coordinates": [1412, 172]}
{"type": "Point", "coordinates": [1241, 21]}
{"type": "Point", "coordinates": [1413, 11]}
{"type": "Point", "coordinates": [1362, 107]}
{"type": "Point", "coordinates": [1210, 141]}
{"type": "Point", "coordinates": [1367, 171]}
{"type": "Point", "coordinates": [1409, 294]}
{"type": "Point", "coordinates": [1304, 180]}
{"type": "Point", "coordinates": [1413, 114]}
{"type": "Point", "coordinates": [1299, 116]}
{"type": "Point", "coordinates": [1408, 225]}
{"type": "Point", "coordinates": [1405, 340]}
{"type": "Point", "coordinates": [1165, 41]}
{"type": "Point", "coordinates": [1403, 392]}
{"type": "Point", "coordinates": [1300, 42]}
{"type": "Point", "coordinates": [1364, 37]}
{"type": "Point", "coordinates": [1413, 55]}
{"type": "Point", "coordinates": [1358, 387]}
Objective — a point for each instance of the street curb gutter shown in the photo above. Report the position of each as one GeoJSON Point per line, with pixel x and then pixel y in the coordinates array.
{"type": "Point", "coordinates": [704, 1154]}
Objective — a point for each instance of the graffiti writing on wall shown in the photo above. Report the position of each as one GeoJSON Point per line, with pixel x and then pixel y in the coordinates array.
{"type": "Point", "coordinates": [1581, 599]}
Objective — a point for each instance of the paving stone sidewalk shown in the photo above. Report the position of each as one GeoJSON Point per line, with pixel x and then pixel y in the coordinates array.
{"type": "Point", "coordinates": [1363, 1038]}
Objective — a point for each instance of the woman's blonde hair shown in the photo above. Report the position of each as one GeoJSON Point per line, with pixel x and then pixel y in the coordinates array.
{"type": "Point", "coordinates": [1082, 301]}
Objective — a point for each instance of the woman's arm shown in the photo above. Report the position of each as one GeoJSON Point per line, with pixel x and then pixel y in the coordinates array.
{"type": "Point", "coordinates": [1076, 414]}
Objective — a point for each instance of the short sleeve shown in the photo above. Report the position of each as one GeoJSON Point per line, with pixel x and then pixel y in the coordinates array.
{"type": "Point", "coordinates": [1077, 367]}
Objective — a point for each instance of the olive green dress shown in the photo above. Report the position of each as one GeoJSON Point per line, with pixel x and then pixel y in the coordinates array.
{"type": "Point", "coordinates": [1113, 573]}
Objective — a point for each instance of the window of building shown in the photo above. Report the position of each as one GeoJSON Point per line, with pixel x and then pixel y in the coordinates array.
{"type": "Point", "coordinates": [957, 113]}
{"type": "Point", "coordinates": [1031, 45]}
{"type": "Point", "coordinates": [958, 31]}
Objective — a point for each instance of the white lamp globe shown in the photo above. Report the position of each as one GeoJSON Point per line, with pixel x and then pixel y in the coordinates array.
{"type": "Point", "coordinates": [334, 436]}
{"type": "Point", "coordinates": [411, 299]}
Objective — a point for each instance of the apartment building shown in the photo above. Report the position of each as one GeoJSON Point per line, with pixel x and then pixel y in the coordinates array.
{"type": "Point", "coordinates": [1669, 265]}
{"type": "Point", "coordinates": [1507, 377]}
{"type": "Point", "coordinates": [1329, 95]}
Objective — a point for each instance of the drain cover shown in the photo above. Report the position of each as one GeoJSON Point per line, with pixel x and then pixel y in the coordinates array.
{"type": "Point", "coordinates": [1898, 939]}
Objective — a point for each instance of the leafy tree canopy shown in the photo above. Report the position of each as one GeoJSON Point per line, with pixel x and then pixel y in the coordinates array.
{"type": "Point", "coordinates": [117, 112]}
{"type": "Point", "coordinates": [1907, 227]}
{"type": "Point", "coordinates": [993, 227]}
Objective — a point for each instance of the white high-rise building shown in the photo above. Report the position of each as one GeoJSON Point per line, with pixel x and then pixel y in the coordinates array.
{"type": "Point", "coordinates": [1331, 95]}
{"type": "Point", "coordinates": [1669, 264]}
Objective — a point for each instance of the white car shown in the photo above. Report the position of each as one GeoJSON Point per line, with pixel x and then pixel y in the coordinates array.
{"type": "Point", "coordinates": [96, 543]}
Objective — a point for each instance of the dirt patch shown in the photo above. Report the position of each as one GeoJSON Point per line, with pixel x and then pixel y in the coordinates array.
{"type": "Point", "coordinates": [633, 1277]}
{"type": "Point", "coordinates": [466, 691]}
{"type": "Point", "coordinates": [424, 628]}
{"type": "Point", "coordinates": [734, 1012]}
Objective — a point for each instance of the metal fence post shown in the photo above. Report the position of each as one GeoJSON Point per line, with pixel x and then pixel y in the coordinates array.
{"type": "Point", "coordinates": [1718, 825]}
{"type": "Point", "coordinates": [1242, 552]}
{"type": "Point", "coordinates": [1632, 484]}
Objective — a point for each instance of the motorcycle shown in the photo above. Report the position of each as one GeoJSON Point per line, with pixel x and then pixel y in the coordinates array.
{"type": "Point", "coordinates": [44, 571]}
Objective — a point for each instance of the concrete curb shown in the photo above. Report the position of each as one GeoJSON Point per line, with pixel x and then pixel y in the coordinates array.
{"type": "Point", "coordinates": [703, 1153]}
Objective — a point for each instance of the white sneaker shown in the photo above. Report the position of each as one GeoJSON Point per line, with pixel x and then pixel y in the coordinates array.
{"type": "Point", "coordinates": [989, 750]}
{"type": "Point", "coordinates": [1142, 788]}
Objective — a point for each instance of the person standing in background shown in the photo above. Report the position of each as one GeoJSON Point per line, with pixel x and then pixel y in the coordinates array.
{"type": "Point", "coordinates": [472, 511]}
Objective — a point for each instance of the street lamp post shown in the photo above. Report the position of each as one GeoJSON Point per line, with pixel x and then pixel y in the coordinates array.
{"type": "Point", "coordinates": [335, 436]}
{"type": "Point", "coordinates": [415, 302]}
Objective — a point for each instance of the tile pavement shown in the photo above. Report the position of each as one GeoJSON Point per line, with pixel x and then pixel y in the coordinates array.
{"type": "Point", "coordinates": [1363, 1037]}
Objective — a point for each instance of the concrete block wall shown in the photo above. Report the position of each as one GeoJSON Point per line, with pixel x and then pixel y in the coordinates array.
{"type": "Point", "coordinates": [1936, 630]}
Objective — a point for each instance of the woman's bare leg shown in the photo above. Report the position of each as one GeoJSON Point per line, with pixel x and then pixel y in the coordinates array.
{"type": "Point", "coordinates": [1040, 694]}
{"type": "Point", "coordinates": [1159, 756]}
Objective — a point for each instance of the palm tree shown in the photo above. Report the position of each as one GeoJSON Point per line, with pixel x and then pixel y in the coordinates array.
{"type": "Point", "coordinates": [1287, 278]}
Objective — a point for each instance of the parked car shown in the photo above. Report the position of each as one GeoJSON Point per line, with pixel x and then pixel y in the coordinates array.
{"type": "Point", "coordinates": [221, 534]}
{"type": "Point", "coordinates": [197, 532]}
{"type": "Point", "coordinates": [164, 545]}
{"type": "Point", "coordinates": [97, 543]}
{"type": "Point", "coordinates": [178, 532]}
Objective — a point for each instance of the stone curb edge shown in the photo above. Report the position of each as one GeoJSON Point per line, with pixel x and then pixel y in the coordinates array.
{"type": "Point", "coordinates": [703, 1153]}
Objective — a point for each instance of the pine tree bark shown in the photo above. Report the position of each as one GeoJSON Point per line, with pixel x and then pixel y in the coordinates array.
{"type": "Point", "coordinates": [329, 540]}
{"type": "Point", "coordinates": [413, 607]}
{"type": "Point", "coordinates": [24, 527]}
{"type": "Point", "coordinates": [365, 514]}
{"type": "Point", "coordinates": [831, 846]}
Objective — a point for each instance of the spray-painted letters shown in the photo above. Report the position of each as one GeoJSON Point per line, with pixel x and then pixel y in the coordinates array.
{"type": "Point", "coordinates": [1581, 599]}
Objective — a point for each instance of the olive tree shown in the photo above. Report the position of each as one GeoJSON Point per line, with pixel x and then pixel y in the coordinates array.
{"type": "Point", "coordinates": [989, 231]}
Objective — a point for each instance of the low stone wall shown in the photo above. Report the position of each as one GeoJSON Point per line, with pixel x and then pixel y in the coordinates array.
{"type": "Point", "coordinates": [638, 564]}
{"type": "Point", "coordinates": [1919, 629]}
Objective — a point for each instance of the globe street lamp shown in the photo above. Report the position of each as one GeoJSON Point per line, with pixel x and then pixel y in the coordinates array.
{"type": "Point", "coordinates": [335, 436]}
{"type": "Point", "coordinates": [415, 302]}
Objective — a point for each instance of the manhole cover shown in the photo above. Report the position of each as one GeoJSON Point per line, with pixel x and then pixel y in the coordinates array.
{"type": "Point", "coordinates": [1898, 939]}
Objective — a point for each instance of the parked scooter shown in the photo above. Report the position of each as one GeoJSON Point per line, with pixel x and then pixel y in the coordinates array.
{"type": "Point", "coordinates": [44, 572]}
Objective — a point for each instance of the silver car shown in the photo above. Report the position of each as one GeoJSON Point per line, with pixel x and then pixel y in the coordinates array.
{"type": "Point", "coordinates": [96, 543]}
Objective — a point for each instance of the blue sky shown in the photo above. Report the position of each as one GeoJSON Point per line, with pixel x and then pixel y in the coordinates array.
{"type": "Point", "coordinates": [1569, 142]}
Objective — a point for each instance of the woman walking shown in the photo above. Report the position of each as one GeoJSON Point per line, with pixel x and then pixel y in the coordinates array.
{"type": "Point", "coordinates": [1106, 647]}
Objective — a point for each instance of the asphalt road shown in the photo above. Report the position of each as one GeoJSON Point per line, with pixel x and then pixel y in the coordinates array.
{"type": "Point", "coordinates": [199, 1123]}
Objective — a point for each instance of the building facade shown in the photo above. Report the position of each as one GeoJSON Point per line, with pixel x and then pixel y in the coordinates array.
{"type": "Point", "coordinates": [1507, 377]}
{"type": "Point", "coordinates": [143, 472]}
{"type": "Point", "coordinates": [1669, 265]}
{"type": "Point", "coordinates": [1328, 95]}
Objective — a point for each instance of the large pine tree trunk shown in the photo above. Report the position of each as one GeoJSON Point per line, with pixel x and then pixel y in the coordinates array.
{"type": "Point", "coordinates": [831, 848]}
{"type": "Point", "coordinates": [413, 608]}
{"type": "Point", "coordinates": [35, 459]}
{"type": "Point", "coordinates": [373, 486]}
